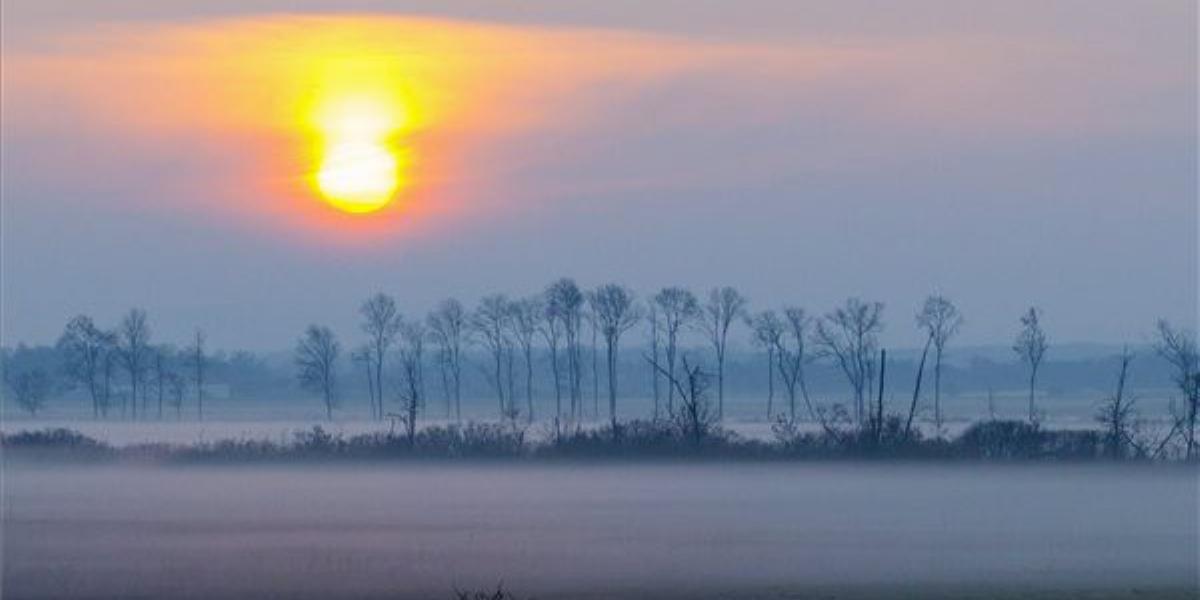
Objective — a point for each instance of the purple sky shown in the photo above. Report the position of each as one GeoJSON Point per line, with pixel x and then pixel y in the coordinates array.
{"type": "Point", "coordinates": [1002, 153]}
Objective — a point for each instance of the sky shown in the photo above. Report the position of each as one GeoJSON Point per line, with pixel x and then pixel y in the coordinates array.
{"type": "Point", "coordinates": [164, 154]}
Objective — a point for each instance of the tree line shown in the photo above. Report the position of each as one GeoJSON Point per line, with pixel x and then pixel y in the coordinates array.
{"type": "Point", "coordinates": [581, 332]}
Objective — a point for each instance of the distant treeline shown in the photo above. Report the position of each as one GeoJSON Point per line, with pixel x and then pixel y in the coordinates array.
{"type": "Point", "coordinates": [566, 343]}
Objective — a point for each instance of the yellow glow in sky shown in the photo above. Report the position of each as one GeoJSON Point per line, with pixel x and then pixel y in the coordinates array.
{"type": "Point", "coordinates": [358, 115]}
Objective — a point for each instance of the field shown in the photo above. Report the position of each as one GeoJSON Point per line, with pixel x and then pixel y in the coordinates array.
{"type": "Point", "coordinates": [561, 531]}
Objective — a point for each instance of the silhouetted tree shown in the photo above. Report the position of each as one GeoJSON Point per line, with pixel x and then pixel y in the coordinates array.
{"type": "Point", "coordinates": [1031, 346]}
{"type": "Point", "coordinates": [767, 331]}
{"type": "Point", "coordinates": [412, 374]}
{"type": "Point", "coordinates": [551, 327]}
{"type": "Point", "coordinates": [448, 325]}
{"type": "Point", "coordinates": [30, 388]}
{"type": "Point", "coordinates": [725, 306]}
{"type": "Point", "coordinates": [198, 365]}
{"type": "Point", "coordinates": [161, 355]}
{"type": "Point", "coordinates": [490, 322]}
{"type": "Point", "coordinates": [615, 313]}
{"type": "Point", "coordinates": [83, 346]}
{"type": "Point", "coordinates": [381, 320]}
{"type": "Point", "coordinates": [678, 308]}
{"type": "Point", "coordinates": [695, 418]}
{"type": "Point", "coordinates": [790, 352]}
{"type": "Point", "coordinates": [594, 327]}
{"type": "Point", "coordinates": [316, 358]}
{"type": "Point", "coordinates": [655, 343]}
{"type": "Point", "coordinates": [176, 390]}
{"type": "Point", "coordinates": [941, 320]}
{"type": "Point", "coordinates": [1116, 413]}
{"type": "Point", "coordinates": [1178, 347]}
{"type": "Point", "coordinates": [362, 355]}
{"type": "Point", "coordinates": [134, 349]}
{"type": "Point", "coordinates": [848, 335]}
{"type": "Point", "coordinates": [526, 321]}
{"type": "Point", "coordinates": [565, 301]}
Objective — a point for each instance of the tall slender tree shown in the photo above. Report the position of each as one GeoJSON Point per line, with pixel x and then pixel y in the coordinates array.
{"type": "Point", "coordinates": [316, 360]}
{"type": "Point", "coordinates": [490, 323]}
{"type": "Point", "coordinates": [381, 322]}
{"type": "Point", "coordinates": [767, 332]}
{"type": "Point", "coordinates": [566, 300]}
{"type": "Point", "coordinates": [551, 328]}
{"type": "Point", "coordinates": [724, 306]}
{"type": "Point", "coordinates": [1178, 347]}
{"type": "Point", "coordinates": [198, 364]}
{"type": "Point", "coordinates": [134, 347]}
{"type": "Point", "coordinates": [790, 351]}
{"type": "Point", "coordinates": [83, 346]}
{"type": "Point", "coordinates": [678, 309]}
{"type": "Point", "coordinates": [849, 336]}
{"type": "Point", "coordinates": [1030, 346]}
{"type": "Point", "coordinates": [412, 374]}
{"type": "Point", "coordinates": [940, 319]}
{"type": "Point", "coordinates": [525, 322]}
{"type": "Point", "coordinates": [655, 343]}
{"type": "Point", "coordinates": [449, 327]}
{"type": "Point", "coordinates": [615, 312]}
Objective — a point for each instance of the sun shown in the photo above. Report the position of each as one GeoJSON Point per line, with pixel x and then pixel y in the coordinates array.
{"type": "Point", "coordinates": [358, 176]}
{"type": "Point", "coordinates": [360, 169]}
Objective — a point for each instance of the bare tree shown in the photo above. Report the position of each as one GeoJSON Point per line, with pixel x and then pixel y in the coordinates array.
{"type": "Point", "coordinates": [1178, 347]}
{"type": "Point", "coordinates": [589, 315]}
{"type": "Point", "coordinates": [655, 348]}
{"type": "Point", "coordinates": [316, 358]}
{"type": "Point", "coordinates": [551, 328]}
{"type": "Point", "coordinates": [791, 356]}
{"type": "Point", "coordinates": [916, 395]}
{"type": "Point", "coordinates": [363, 355]}
{"type": "Point", "coordinates": [198, 363]}
{"type": "Point", "coordinates": [381, 321]}
{"type": "Point", "coordinates": [941, 320]}
{"type": "Point", "coordinates": [490, 322]}
{"type": "Point", "coordinates": [678, 308]}
{"type": "Point", "coordinates": [412, 374]}
{"type": "Point", "coordinates": [30, 388]}
{"type": "Point", "coordinates": [134, 344]}
{"type": "Point", "coordinates": [615, 313]}
{"type": "Point", "coordinates": [768, 330]}
{"type": "Point", "coordinates": [1117, 412]}
{"type": "Point", "coordinates": [565, 300]}
{"type": "Point", "coordinates": [160, 376]}
{"type": "Point", "coordinates": [725, 305]}
{"type": "Point", "coordinates": [695, 418]}
{"type": "Point", "coordinates": [849, 335]}
{"type": "Point", "coordinates": [84, 345]}
{"type": "Point", "coordinates": [1031, 346]}
{"type": "Point", "coordinates": [108, 366]}
{"type": "Point", "coordinates": [526, 321]}
{"type": "Point", "coordinates": [448, 324]}
{"type": "Point", "coordinates": [176, 390]}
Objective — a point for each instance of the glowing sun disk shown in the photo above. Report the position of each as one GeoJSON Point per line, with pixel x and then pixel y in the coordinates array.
{"type": "Point", "coordinates": [358, 176]}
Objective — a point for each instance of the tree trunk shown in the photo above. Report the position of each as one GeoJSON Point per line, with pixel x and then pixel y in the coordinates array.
{"type": "Point", "coordinates": [612, 384]}
{"type": "Point", "coordinates": [1032, 383]}
{"type": "Point", "coordinates": [912, 408]}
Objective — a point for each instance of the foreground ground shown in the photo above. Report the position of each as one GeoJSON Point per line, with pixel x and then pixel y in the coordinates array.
{"type": "Point", "coordinates": [735, 531]}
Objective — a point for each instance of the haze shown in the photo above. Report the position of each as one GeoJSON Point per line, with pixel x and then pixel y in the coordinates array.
{"type": "Point", "coordinates": [1005, 154]}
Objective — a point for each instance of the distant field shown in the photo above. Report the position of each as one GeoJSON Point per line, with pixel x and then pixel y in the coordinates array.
{"type": "Point", "coordinates": [750, 531]}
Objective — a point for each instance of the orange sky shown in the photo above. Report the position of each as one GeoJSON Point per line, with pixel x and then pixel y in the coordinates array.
{"type": "Point", "coordinates": [1039, 143]}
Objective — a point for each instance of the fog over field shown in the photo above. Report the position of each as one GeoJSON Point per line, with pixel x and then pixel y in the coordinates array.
{"type": "Point", "coordinates": [667, 530]}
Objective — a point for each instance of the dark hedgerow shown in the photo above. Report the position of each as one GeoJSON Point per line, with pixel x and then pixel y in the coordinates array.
{"type": "Point", "coordinates": [633, 440]}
